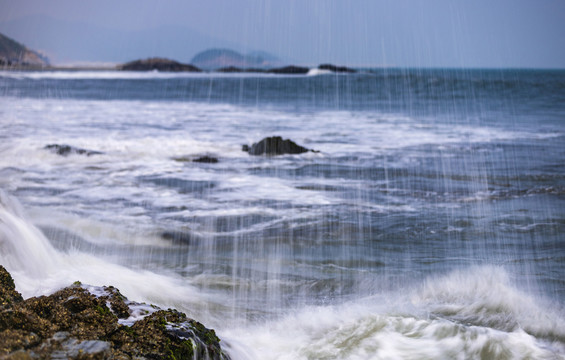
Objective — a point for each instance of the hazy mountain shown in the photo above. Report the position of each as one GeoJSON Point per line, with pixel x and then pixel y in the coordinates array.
{"type": "Point", "coordinates": [65, 41]}
{"type": "Point", "coordinates": [221, 58]}
{"type": "Point", "coordinates": [14, 53]}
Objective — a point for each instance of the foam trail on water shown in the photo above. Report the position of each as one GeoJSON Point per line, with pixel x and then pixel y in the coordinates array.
{"type": "Point", "coordinates": [38, 268]}
{"type": "Point", "coordinates": [466, 314]}
{"type": "Point", "coordinates": [484, 296]}
{"type": "Point", "coordinates": [31, 252]}
{"type": "Point", "coordinates": [123, 75]}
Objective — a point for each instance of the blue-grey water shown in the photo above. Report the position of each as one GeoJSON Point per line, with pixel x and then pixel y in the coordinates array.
{"type": "Point", "coordinates": [430, 224]}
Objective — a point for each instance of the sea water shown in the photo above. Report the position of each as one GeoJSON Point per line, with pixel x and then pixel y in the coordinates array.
{"type": "Point", "coordinates": [429, 223]}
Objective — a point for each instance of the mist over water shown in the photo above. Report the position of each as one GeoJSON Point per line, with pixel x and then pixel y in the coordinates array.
{"type": "Point", "coordinates": [429, 224]}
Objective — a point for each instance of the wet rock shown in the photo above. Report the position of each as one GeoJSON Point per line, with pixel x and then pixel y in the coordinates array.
{"type": "Point", "coordinates": [18, 339]}
{"type": "Point", "coordinates": [75, 323]}
{"type": "Point", "coordinates": [117, 302]}
{"type": "Point", "coordinates": [169, 332]}
{"type": "Point", "coordinates": [275, 145]}
{"type": "Point", "coordinates": [65, 150]}
{"type": "Point", "coordinates": [291, 70]}
{"type": "Point", "coordinates": [88, 349]}
{"type": "Point", "coordinates": [206, 159]}
{"type": "Point", "coordinates": [73, 309]}
{"type": "Point", "coordinates": [338, 69]}
{"type": "Point", "coordinates": [8, 294]}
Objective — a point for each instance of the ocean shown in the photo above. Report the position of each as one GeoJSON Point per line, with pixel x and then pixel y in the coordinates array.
{"type": "Point", "coordinates": [428, 224]}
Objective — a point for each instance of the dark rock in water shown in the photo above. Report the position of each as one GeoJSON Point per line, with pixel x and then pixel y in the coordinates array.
{"type": "Point", "coordinates": [65, 150]}
{"type": "Point", "coordinates": [74, 323]}
{"type": "Point", "coordinates": [179, 237]}
{"type": "Point", "coordinates": [275, 145]}
{"type": "Point", "coordinates": [206, 159]}
{"type": "Point", "coordinates": [201, 159]}
{"type": "Point", "coordinates": [334, 68]}
{"type": "Point", "coordinates": [290, 70]}
{"type": "Point", "coordinates": [245, 148]}
{"type": "Point", "coordinates": [159, 64]}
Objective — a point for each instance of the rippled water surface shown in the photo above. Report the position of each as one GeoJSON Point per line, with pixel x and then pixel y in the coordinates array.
{"type": "Point", "coordinates": [429, 225]}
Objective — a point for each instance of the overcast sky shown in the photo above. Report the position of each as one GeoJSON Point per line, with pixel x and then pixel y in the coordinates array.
{"type": "Point", "coordinates": [454, 33]}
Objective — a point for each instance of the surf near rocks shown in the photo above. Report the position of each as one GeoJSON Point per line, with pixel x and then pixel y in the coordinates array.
{"type": "Point", "coordinates": [64, 150]}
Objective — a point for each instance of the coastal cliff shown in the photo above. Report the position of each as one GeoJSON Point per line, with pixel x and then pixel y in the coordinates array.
{"type": "Point", "coordinates": [14, 54]}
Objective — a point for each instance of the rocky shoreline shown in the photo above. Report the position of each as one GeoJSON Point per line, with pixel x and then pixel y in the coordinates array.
{"type": "Point", "coordinates": [168, 65]}
{"type": "Point", "coordinates": [86, 322]}
{"type": "Point", "coordinates": [172, 66]}
{"type": "Point", "coordinates": [162, 64]}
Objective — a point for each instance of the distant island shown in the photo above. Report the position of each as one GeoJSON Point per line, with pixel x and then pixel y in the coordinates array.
{"type": "Point", "coordinates": [14, 54]}
{"type": "Point", "coordinates": [168, 65]}
{"type": "Point", "coordinates": [213, 59]}
{"type": "Point", "coordinates": [159, 64]}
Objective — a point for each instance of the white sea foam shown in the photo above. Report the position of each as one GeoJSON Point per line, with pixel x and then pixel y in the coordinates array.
{"type": "Point", "coordinates": [40, 269]}
{"type": "Point", "coordinates": [393, 195]}
{"type": "Point", "coordinates": [316, 71]}
{"type": "Point", "coordinates": [391, 326]}
{"type": "Point", "coordinates": [139, 141]}
{"type": "Point", "coordinates": [469, 313]}
{"type": "Point", "coordinates": [123, 75]}
{"type": "Point", "coordinates": [484, 296]}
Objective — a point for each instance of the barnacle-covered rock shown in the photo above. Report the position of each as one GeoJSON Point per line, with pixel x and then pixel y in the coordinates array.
{"type": "Point", "coordinates": [89, 322]}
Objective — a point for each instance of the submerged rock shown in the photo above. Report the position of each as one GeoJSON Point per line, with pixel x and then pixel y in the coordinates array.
{"type": "Point", "coordinates": [206, 159]}
{"type": "Point", "coordinates": [275, 145]}
{"type": "Point", "coordinates": [200, 159]}
{"type": "Point", "coordinates": [180, 237]}
{"type": "Point", "coordinates": [80, 322]}
{"type": "Point", "coordinates": [65, 150]}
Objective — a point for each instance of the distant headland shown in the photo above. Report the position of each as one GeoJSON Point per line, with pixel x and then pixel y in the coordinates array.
{"type": "Point", "coordinates": [14, 54]}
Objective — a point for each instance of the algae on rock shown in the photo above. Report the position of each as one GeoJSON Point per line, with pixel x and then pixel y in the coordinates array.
{"type": "Point", "coordinates": [75, 323]}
